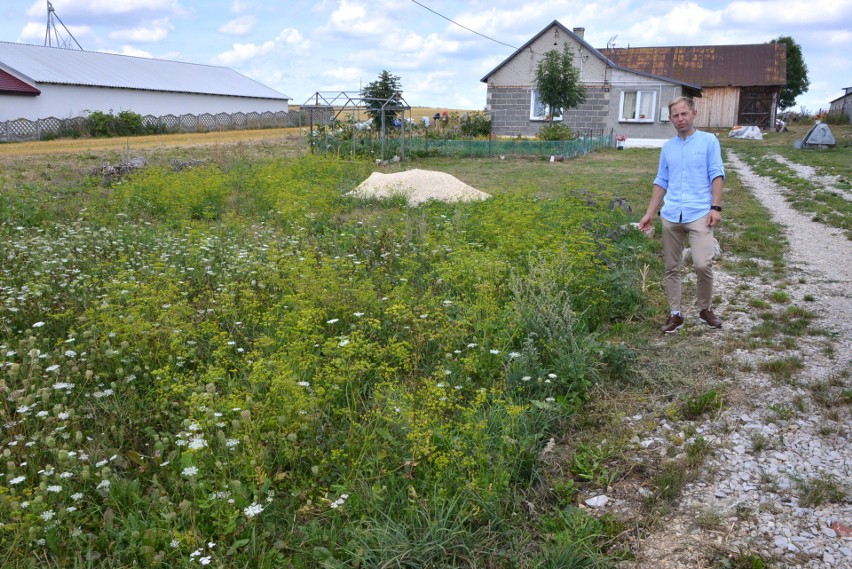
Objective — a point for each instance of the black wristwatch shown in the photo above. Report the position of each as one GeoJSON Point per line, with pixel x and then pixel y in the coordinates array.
{"type": "Point", "coordinates": [716, 207]}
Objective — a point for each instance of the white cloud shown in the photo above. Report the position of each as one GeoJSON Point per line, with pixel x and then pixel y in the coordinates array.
{"type": "Point", "coordinates": [240, 6]}
{"type": "Point", "coordinates": [357, 19]}
{"type": "Point", "coordinates": [682, 21]}
{"type": "Point", "coordinates": [130, 50]}
{"type": "Point", "coordinates": [833, 12]}
{"type": "Point", "coordinates": [419, 46]}
{"type": "Point", "coordinates": [293, 39]}
{"type": "Point", "coordinates": [495, 22]}
{"type": "Point", "coordinates": [435, 87]}
{"type": "Point", "coordinates": [241, 52]}
{"type": "Point", "coordinates": [150, 32]}
{"type": "Point", "coordinates": [34, 32]}
{"type": "Point", "coordinates": [346, 74]}
{"type": "Point", "coordinates": [839, 37]}
{"type": "Point", "coordinates": [435, 81]}
{"type": "Point", "coordinates": [241, 26]}
{"type": "Point", "coordinates": [289, 40]}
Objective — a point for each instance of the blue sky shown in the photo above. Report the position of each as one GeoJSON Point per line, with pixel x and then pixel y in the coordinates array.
{"type": "Point", "coordinates": [299, 48]}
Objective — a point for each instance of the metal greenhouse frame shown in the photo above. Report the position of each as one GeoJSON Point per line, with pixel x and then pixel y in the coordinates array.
{"type": "Point", "coordinates": [328, 106]}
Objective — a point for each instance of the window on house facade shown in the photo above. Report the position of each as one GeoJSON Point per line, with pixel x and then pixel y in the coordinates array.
{"type": "Point", "coordinates": [538, 110]}
{"type": "Point", "coordinates": [638, 106]}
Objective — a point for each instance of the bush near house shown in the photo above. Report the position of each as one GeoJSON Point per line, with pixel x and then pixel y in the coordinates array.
{"type": "Point", "coordinates": [555, 131]}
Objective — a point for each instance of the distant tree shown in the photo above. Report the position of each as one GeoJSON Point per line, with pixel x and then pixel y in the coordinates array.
{"type": "Point", "coordinates": [383, 92]}
{"type": "Point", "coordinates": [558, 82]}
{"type": "Point", "coordinates": [797, 73]}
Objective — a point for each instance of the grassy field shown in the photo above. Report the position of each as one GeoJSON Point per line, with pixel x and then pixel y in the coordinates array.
{"type": "Point", "coordinates": [112, 146]}
{"type": "Point", "coordinates": [235, 364]}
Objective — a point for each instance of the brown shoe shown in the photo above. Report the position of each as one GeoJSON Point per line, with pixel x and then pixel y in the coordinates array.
{"type": "Point", "coordinates": [673, 324]}
{"type": "Point", "coordinates": [709, 318]}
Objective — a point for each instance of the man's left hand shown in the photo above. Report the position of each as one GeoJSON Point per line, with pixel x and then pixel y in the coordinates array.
{"type": "Point", "coordinates": [713, 218]}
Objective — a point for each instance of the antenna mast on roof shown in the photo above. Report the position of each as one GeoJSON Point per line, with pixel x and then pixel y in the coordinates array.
{"type": "Point", "coordinates": [53, 35]}
{"type": "Point", "coordinates": [611, 43]}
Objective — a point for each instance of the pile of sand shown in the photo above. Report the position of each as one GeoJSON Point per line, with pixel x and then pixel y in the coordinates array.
{"type": "Point", "coordinates": [418, 186]}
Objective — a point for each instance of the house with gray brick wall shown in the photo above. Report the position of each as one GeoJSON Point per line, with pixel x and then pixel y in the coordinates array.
{"type": "Point", "coordinates": [618, 100]}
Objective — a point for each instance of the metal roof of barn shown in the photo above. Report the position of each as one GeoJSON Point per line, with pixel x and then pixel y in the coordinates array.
{"type": "Point", "coordinates": [749, 65]}
{"type": "Point", "coordinates": [38, 64]}
{"type": "Point", "coordinates": [9, 84]}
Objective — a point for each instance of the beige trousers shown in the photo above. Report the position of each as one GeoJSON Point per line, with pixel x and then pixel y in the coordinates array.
{"type": "Point", "coordinates": [701, 242]}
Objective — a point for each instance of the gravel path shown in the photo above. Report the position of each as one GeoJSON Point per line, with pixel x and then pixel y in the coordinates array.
{"type": "Point", "coordinates": [822, 254]}
{"type": "Point", "coordinates": [777, 441]}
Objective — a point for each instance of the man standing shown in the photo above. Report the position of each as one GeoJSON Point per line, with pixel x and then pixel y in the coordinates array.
{"type": "Point", "coordinates": [689, 185]}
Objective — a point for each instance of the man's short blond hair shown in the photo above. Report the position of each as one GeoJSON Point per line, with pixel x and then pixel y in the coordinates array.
{"type": "Point", "coordinates": [688, 100]}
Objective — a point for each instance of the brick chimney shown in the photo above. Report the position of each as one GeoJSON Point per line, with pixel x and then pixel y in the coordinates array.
{"type": "Point", "coordinates": [579, 32]}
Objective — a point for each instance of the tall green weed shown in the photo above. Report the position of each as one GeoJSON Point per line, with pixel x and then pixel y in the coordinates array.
{"type": "Point", "coordinates": [245, 366]}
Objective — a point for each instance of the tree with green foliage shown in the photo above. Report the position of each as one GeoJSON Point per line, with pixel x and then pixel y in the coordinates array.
{"type": "Point", "coordinates": [385, 92]}
{"type": "Point", "coordinates": [558, 82]}
{"type": "Point", "coordinates": [797, 73]}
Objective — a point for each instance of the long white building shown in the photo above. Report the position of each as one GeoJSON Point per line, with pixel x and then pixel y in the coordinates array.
{"type": "Point", "coordinates": [39, 82]}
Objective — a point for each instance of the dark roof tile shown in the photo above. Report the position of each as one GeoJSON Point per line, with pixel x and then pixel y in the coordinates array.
{"type": "Point", "coordinates": [9, 84]}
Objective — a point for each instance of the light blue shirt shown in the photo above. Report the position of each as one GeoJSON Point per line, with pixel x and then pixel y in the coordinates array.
{"type": "Point", "coordinates": [687, 170]}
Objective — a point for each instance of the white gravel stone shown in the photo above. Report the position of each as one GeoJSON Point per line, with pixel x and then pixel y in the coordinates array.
{"type": "Point", "coordinates": [597, 501]}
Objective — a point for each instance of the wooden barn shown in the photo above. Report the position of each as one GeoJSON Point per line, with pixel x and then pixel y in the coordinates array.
{"type": "Point", "coordinates": [740, 84]}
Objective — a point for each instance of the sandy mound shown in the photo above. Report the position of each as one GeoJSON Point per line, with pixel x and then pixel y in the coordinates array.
{"type": "Point", "coordinates": [418, 186]}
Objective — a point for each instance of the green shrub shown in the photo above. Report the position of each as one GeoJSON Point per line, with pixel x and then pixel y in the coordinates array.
{"type": "Point", "coordinates": [125, 123]}
{"type": "Point", "coordinates": [555, 131]}
{"type": "Point", "coordinates": [475, 124]}
{"type": "Point", "coordinates": [836, 118]}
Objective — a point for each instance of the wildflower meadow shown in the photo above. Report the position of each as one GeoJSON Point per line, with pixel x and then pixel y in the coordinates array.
{"type": "Point", "coordinates": [244, 367]}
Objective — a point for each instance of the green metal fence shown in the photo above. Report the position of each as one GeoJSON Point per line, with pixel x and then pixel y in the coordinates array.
{"type": "Point", "coordinates": [506, 147]}
{"type": "Point", "coordinates": [417, 146]}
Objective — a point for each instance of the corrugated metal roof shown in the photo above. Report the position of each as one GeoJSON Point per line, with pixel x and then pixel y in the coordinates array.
{"type": "Point", "coordinates": [91, 68]}
{"type": "Point", "coordinates": [748, 65]}
{"type": "Point", "coordinates": [11, 84]}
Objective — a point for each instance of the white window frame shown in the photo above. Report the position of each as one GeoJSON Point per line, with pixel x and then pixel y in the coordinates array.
{"type": "Point", "coordinates": [641, 99]}
{"type": "Point", "coordinates": [538, 111]}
